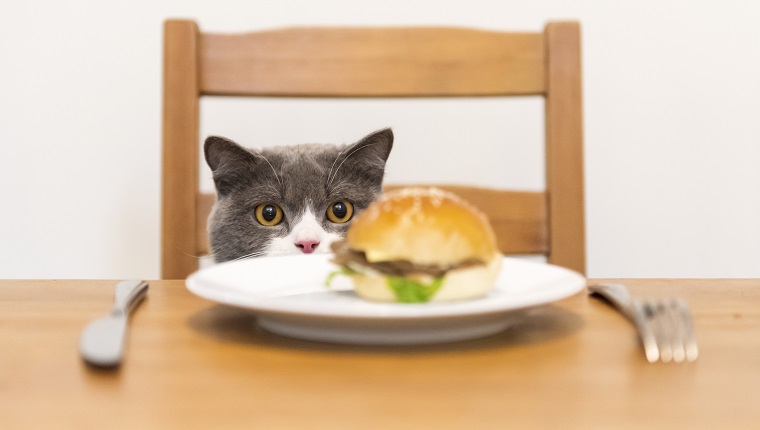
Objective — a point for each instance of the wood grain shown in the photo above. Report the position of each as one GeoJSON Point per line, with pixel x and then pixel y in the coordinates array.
{"type": "Point", "coordinates": [372, 62]}
{"type": "Point", "coordinates": [180, 150]}
{"type": "Point", "coordinates": [194, 364]}
{"type": "Point", "coordinates": [564, 147]}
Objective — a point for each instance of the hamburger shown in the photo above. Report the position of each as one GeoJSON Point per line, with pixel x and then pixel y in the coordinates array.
{"type": "Point", "coordinates": [417, 245]}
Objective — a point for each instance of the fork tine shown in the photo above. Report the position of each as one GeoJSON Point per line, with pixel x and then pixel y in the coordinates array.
{"type": "Point", "coordinates": [679, 338]}
{"type": "Point", "coordinates": [667, 330]}
{"type": "Point", "coordinates": [690, 341]}
{"type": "Point", "coordinates": [663, 330]}
{"type": "Point", "coordinates": [642, 314]}
{"type": "Point", "coordinates": [672, 335]}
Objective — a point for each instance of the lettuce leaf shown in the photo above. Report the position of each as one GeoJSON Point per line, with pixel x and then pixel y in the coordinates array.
{"type": "Point", "coordinates": [408, 291]}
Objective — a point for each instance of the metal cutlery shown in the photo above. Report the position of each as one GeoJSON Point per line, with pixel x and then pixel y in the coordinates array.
{"type": "Point", "coordinates": [664, 325]}
{"type": "Point", "coordinates": [102, 341]}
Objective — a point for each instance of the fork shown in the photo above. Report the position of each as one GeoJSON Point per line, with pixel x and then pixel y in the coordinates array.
{"type": "Point", "coordinates": [664, 325]}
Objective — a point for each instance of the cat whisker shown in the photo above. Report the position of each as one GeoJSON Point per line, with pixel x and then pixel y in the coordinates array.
{"type": "Point", "coordinates": [344, 160]}
{"type": "Point", "coordinates": [333, 165]}
{"type": "Point", "coordinates": [251, 255]}
{"type": "Point", "coordinates": [273, 171]}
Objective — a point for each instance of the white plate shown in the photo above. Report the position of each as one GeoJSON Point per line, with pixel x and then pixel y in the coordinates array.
{"type": "Point", "coordinates": [289, 297]}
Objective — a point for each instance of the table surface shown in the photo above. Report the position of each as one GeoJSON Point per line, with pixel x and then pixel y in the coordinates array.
{"type": "Point", "coordinates": [192, 363]}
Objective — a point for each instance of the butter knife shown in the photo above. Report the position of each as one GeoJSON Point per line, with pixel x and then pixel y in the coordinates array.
{"type": "Point", "coordinates": [102, 341]}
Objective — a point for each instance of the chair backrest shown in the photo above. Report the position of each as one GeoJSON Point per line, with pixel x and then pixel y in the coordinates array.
{"type": "Point", "coordinates": [381, 62]}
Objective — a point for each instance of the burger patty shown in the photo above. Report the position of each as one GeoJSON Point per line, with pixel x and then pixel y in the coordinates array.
{"type": "Point", "coordinates": [346, 256]}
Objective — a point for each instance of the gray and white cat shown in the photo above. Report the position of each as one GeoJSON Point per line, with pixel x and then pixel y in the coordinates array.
{"type": "Point", "coordinates": [291, 199]}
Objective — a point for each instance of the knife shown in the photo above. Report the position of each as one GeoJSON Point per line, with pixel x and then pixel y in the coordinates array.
{"type": "Point", "coordinates": [102, 341]}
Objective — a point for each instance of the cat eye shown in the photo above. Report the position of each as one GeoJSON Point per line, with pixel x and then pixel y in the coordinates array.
{"type": "Point", "coordinates": [268, 214]}
{"type": "Point", "coordinates": [340, 212]}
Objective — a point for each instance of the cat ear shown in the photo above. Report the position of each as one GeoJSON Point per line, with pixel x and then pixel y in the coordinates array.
{"type": "Point", "coordinates": [219, 151]}
{"type": "Point", "coordinates": [364, 161]}
{"type": "Point", "coordinates": [372, 151]}
{"type": "Point", "coordinates": [230, 163]}
{"type": "Point", "coordinates": [376, 146]}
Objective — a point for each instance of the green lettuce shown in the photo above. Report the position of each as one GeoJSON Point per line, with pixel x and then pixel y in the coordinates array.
{"type": "Point", "coordinates": [408, 291]}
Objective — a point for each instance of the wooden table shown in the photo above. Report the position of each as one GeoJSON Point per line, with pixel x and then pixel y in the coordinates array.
{"type": "Point", "coordinates": [195, 364]}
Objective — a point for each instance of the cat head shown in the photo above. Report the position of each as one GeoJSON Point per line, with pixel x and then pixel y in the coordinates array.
{"type": "Point", "coordinates": [290, 199]}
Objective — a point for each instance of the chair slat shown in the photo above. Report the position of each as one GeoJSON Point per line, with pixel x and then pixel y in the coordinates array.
{"type": "Point", "coordinates": [179, 157]}
{"type": "Point", "coordinates": [372, 62]}
{"type": "Point", "coordinates": [564, 146]}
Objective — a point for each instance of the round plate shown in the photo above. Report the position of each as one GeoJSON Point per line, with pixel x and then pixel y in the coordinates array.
{"type": "Point", "coordinates": [289, 297]}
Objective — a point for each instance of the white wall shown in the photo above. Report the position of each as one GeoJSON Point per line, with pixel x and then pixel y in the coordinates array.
{"type": "Point", "coordinates": [672, 101]}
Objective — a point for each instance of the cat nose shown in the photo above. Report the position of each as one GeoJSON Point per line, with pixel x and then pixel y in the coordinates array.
{"type": "Point", "coordinates": [307, 246]}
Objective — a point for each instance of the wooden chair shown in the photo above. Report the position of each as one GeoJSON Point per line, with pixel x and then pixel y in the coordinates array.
{"type": "Point", "coordinates": [381, 62]}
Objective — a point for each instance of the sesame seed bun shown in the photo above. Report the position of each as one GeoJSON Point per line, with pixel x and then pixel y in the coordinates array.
{"type": "Point", "coordinates": [424, 226]}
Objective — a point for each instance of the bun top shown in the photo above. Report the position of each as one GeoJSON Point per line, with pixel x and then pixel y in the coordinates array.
{"type": "Point", "coordinates": [423, 226]}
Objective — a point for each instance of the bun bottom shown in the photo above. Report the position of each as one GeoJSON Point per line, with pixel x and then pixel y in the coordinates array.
{"type": "Point", "coordinates": [459, 284]}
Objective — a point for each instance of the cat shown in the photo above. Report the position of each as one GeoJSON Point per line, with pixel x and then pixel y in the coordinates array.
{"type": "Point", "coordinates": [290, 199]}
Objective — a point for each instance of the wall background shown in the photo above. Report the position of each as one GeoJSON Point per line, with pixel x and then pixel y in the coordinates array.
{"type": "Point", "coordinates": [671, 95]}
